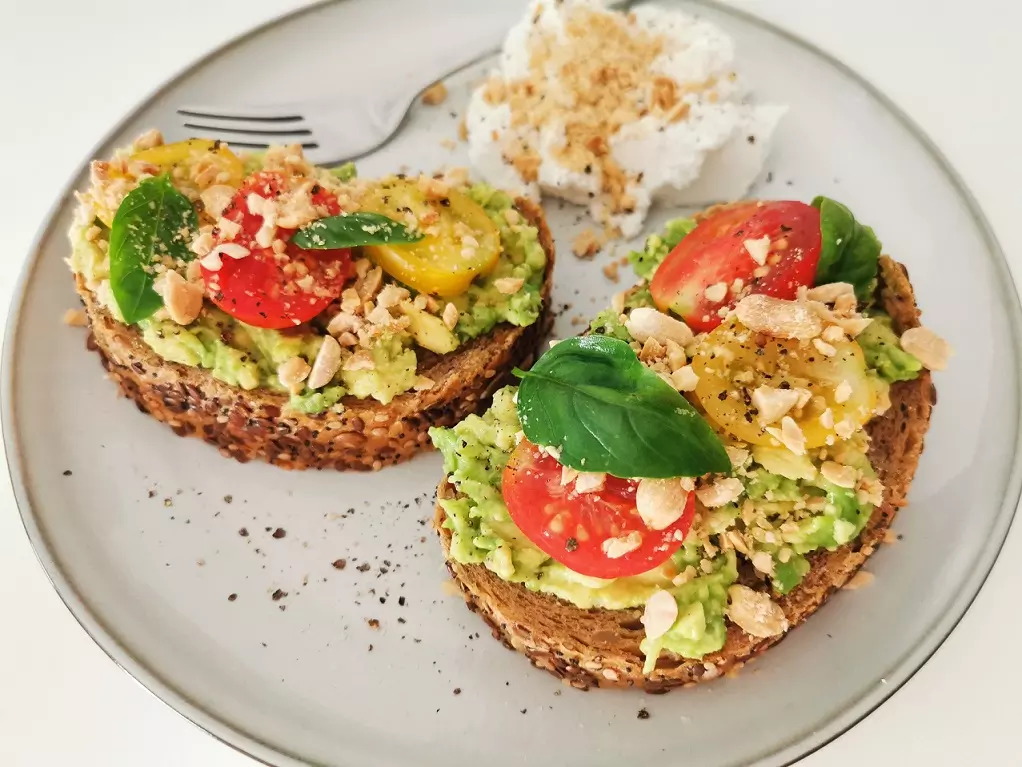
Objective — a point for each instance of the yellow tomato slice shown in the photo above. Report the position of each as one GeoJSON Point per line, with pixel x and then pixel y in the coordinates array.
{"type": "Point", "coordinates": [461, 241]}
{"type": "Point", "coordinates": [192, 150]}
{"type": "Point", "coordinates": [733, 361]}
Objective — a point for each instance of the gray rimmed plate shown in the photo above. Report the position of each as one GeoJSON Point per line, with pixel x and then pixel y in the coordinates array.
{"type": "Point", "coordinates": [140, 531]}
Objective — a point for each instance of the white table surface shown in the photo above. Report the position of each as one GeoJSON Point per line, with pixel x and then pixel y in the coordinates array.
{"type": "Point", "coordinates": [67, 74]}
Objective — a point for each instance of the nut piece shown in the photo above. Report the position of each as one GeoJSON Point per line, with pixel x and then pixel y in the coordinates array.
{"type": "Point", "coordinates": [293, 372]}
{"type": "Point", "coordinates": [831, 292]}
{"type": "Point", "coordinates": [737, 455]}
{"type": "Point", "coordinates": [76, 318]}
{"type": "Point", "coordinates": [827, 419]}
{"type": "Point", "coordinates": [216, 198]}
{"type": "Point", "coordinates": [661, 502]}
{"type": "Point", "coordinates": [213, 260]}
{"type": "Point", "coordinates": [845, 428]}
{"type": "Point", "coordinates": [422, 383]}
{"type": "Point", "coordinates": [789, 435]}
{"type": "Point", "coordinates": [778, 318]}
{"type": "Point", "coordinates": [758, 249]}
{"type": "Point", "coordinates": [509, 285]}
{"type": "Point", "coordinates": [588, 481]}
{"type": "Point", "coordinates": [646, 323]}
{"type": "Point", "coordinates": [148, 140]}
{"type": "Point", "coordinates": [391, 296]}
{"type": "Point", "coordinates": [927, 347]}
{"type": "Point", "coordinates": [685, 378]}
{"type": "Point", "coordinates": [328, 362]}
{"type": "Point", "coordinates": [833, 334]}
{"type": "Point", "coordinates": [676, 357]}
{"type": "Point", "coordinates": [615, 548]}
{"type": "Point", "coordinates": [720, 493]}
{"type": "Point", "coordinates": [842, 476]}
{"type": "Point", "coordinates": [342, 322]}
{"type": "Point", "coordinates": [716, 292]}
{"type": "Point", "coordinates": [773, 404]}
{"type": "Point", "coordinates": [824, 348]}
{"type": "Point", "coordinates": [360, 360]}
{"type": "Point", "coordinates": [451, 316]}
{"type": "Point", "coordinates": [267, 209]}
{"type": "Point", "coordinates": [435, 94]}
{"type": "Point", "coordinates": [755, 613]}
{"type": "Point", "coordinates": [860, 580]}
{"type": "Point", "coordinates": [660, 614]}
{"type": "Point", "coordinates": [763, 562]}
{"type": "Point", "coordinates": [368, 285]}
{"type": "Point", "coordinates": [182, 299]}
{"type": "Point", "coordinates": [587, 244]}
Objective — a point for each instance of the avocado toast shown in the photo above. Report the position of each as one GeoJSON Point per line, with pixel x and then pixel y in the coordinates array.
{"type": "Point", "coordinates": [770, 537]}
{"type": "Point", "coordinates": [301, 315]}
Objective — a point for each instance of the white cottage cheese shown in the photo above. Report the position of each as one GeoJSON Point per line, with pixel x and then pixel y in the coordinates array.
{"type": "Point", "coordinates": [617, 111]}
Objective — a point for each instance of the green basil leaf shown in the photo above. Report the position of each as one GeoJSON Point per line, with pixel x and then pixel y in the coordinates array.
{"type": "Point", "coordinates": [153, 222]}
{"type": "Point", "coordinates": [353, 230]}
{"type": "Point", "coordinates": [849, 251]}
{"type": "Point", "coordinates": [591, 398]}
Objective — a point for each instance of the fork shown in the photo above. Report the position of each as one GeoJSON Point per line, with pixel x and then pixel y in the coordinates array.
{"type": "Point", "coordinates": [338, 131]}
{"type": "Point", "coordinates": [329, 132]}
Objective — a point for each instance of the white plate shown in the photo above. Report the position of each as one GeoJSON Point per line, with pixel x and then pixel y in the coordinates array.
{"type": "Point", "coordinates": [149, 578]}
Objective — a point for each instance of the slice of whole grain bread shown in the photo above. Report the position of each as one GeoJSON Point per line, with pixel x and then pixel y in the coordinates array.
{"type": "Point", "coordinates": [257, 424]}
{"type": "Point", "coordinates": [600, 648]}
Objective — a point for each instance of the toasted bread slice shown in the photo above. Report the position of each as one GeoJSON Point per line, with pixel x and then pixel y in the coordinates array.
{"type": "Point", "coordinates": [367, 435]}
{"type": "Point", "coordinates": [600, 648]}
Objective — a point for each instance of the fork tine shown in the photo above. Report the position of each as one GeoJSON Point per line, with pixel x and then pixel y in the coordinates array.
{"type": "Point", "coordinates": [255, 114]}
{"type": "Point", "coordinates": [246, 133]}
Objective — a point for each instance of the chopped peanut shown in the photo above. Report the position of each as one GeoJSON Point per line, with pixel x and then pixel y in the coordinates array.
{"type": "Point", "coordinates": [435, 94]}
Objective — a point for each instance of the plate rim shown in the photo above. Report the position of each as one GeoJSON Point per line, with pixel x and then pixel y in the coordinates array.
{"type": "Point", "coordinates": [230, 734]}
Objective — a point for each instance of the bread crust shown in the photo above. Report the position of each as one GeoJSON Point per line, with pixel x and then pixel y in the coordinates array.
{"type": "Point", "coordinates": [600, 648]}
{"type": "Point", "coordinates": [367, 435]}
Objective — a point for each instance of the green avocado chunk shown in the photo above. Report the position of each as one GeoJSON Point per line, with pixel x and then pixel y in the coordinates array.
{"type": "Point", "coordinates": [657, 247]}
{"type": "Point", "coordinates": [883, 351]}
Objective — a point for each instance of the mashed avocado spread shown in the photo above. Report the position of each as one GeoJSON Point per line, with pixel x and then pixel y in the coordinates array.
{"type": "Point", "coordinates": [787, 504]}
{"type": "Point", "coordinates": [248, 357]}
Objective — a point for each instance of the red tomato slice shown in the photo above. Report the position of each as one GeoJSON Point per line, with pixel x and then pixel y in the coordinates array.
{"type": "Point", "coordinates": [270, 290]}
{"type": "Point", "coordinates": [715, 252]}
{"type": "Point", "coordinates": [571, 527]}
